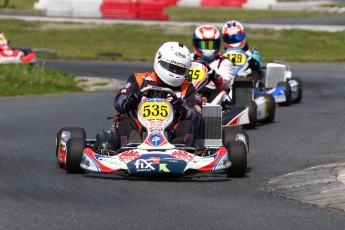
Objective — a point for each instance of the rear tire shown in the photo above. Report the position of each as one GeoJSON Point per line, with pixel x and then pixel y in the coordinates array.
{"type": "Point", "coordinates": [238, 158]}
{"type": "Point", "coordinates": [271, 108]}
{"type": "Point", "coordinates": [252, 115]}
{"type": "Point", "coordinates": [74, 152]}
{"type": "Point", "coordinates": [299, 89]}
{"type": "Point", "coordinates": [287, 92]}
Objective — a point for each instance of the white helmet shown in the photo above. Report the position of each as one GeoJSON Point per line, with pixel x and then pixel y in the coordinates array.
{"type": "Point", "coordinates": [172, 63]}
{"type": "Point", "coordinates": [3, 40]}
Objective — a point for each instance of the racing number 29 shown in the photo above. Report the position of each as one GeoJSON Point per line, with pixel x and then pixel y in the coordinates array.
{"type": "Point", "coordinates": [155, 110]}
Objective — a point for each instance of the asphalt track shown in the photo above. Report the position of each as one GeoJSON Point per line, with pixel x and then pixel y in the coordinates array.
{"type": "Point", "coordinates": [36, 194]}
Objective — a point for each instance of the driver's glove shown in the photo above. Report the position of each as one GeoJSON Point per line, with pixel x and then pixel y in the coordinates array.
{"type": "Point", "coordinates": [180, 110]}
{"type": "Point", "coordinates": [131, 102]}
{"type": "Point", "coordinates": [212, 74]}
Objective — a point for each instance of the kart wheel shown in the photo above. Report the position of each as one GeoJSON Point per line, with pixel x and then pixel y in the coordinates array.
{"type": "Point", "coordinates": [299, 89]}
{"type": "Point", "coordinates": [108, 140]}
{"type": "Point", "coordinates": [287, 92]}
{"type": "Point", "coordinates": [229, 135]}
{"type": "Point", "coordinates": [271, 108]}
{"type": "Point", "coordinates": [75, 132]}
{"type": "Point", "coordinates": [74, 153]}
{"type": "Point", "coordinates": [252, 115]}
{"type": "Point", "coordinates": [238, 158]}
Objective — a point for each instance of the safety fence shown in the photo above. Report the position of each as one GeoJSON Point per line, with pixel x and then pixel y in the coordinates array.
{"type": "Point", "coordinates": [127, 9]}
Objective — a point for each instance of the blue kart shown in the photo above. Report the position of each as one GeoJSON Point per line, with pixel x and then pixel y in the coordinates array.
{"type": "Point", "coordinates": [274, 79]}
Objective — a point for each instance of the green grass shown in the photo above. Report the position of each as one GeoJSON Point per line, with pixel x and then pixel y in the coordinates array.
{"type": "Point", "coordinates": [18, 6]}
{"type": "Point", "coordinates": [334, 5]}
{"type": "Point", "coordinates": [202, 14]}
{"type": "Point", "coordinates": [16, 80]}
{"type": "Point", "coordinates": [139, 42]}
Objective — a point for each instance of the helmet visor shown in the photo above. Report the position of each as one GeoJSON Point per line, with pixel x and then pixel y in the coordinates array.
{"type": "Point", "coordinates": [232, 39]}
{"type": "Point", "coordinates": [207, 44]}
{"type": "Point", "coordinates": [174, 68]}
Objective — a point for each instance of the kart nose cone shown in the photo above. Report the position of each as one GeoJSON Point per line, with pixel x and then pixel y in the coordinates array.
{"type": "Point", "coordinates": [157, 164]}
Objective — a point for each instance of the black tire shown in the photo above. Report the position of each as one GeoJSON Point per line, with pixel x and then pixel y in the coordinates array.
{"type": "Point", "coordinates": [298, 99]}
{"type": "Point", "coordinates": [238, 158]}
{"type": "Point", "coordinates": [252, 115]}
{"type": "Point", "coordinates": [75, 132]}
{"type": "Point", "coordinates": [230, 134]}
{"type": "Point", "coordinates": [287, 93]}
{"type": "Point", "coordinates": [74, 153]}
{"type": "Point", "coordinates": [109, 139]}
{"type": "Point", "coordinates": [271, 108]}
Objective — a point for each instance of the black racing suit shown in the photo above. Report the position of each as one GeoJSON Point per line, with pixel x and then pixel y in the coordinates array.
{"type": "Point", "coordinates": [183, 129]}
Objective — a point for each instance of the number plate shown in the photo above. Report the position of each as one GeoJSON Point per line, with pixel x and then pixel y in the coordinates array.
{"type": "Point", "coordinates": [237, 58]}
{"type": "Point", "coordinates": [197, 72]}
{"type": "Point", "coordinates": [153, 110]}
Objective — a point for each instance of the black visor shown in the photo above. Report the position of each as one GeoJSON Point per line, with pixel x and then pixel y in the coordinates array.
{"type": "Point", "coordinates": [174, 68]}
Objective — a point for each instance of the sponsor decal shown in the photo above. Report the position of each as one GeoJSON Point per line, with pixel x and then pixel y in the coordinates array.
{"type": "Point", "coordinates": [163, 168]}
{"type": "Point", "coordinates": [129, 156]}
{"type": "Point", "coordinates": [225, 162]}
{"type": "Point", "coordinates": [155, 99]}
{"type": "Point", "coordinates": [182, 155]}
{"type": "Point", "coordinates": [155, 131]}
{"type": "Point", "coordinates": [232, 30]}
{"type": "Point", "coordinates": [107, 161]}
{"type": "Point", "coordinates": [180, 55]}
{"type": "Point", "coordinates": [157, 163]}
{"type": "Point", "coordinates": [198, 109]}
{"type": "Point", "coordinates": [85, 161]}
{"type": "Point", "coordinates": [156, 139]}
{"type": "Point", "coordinates": [147, 165]}
{"type": "Point", "coordinates": [179, 64]}
{"type": "Point", "coordinates": [197, 97]}
{"type": "Point", "coordinates": [127, 85]}
{"type": "Point", "coordinates": [259, 113]}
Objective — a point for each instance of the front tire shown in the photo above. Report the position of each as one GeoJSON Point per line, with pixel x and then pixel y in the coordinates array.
{"type": "Point", "coordinates": [298, 99]}
{"type": "Point", "coordinates": [74, 132]}
{"type": "Point", "coordinates": [229, 135]}
{"type": "Point", "coordinates": [238, 158]}
{"type": "Point", "coordinates": [74, 153]}
{"type": "Point", "coordinates": [287, 92]}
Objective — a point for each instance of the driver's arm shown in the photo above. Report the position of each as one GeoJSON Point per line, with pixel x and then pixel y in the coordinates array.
{"type": "Point", "coordinates": [193, 105]}
{"type": "Point", "coordinates": [131, 86]}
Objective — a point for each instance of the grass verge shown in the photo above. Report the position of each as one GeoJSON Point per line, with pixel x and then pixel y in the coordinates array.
{"type": "Point", "coordinates": [202, 14]}
{"type": "Point", "coordinates": [140, 42]}
{"type": "Point", "coordinates": [17, 80]}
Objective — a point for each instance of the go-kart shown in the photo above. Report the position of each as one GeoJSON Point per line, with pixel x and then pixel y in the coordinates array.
{"type": "Point", "coordinates": [17, 56]}
{"type": "Point", "coordinates": [215, 149]}
{"type": "Point", "coordinates": [274, 79]}
{"type": "Point", "coordinates": [240, 106]}
{"type": "Point", "coordinates": [278, 73]}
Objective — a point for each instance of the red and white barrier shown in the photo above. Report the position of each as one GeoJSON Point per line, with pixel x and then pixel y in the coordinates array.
{"type": "Point", "coordinates": [133, 9]}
